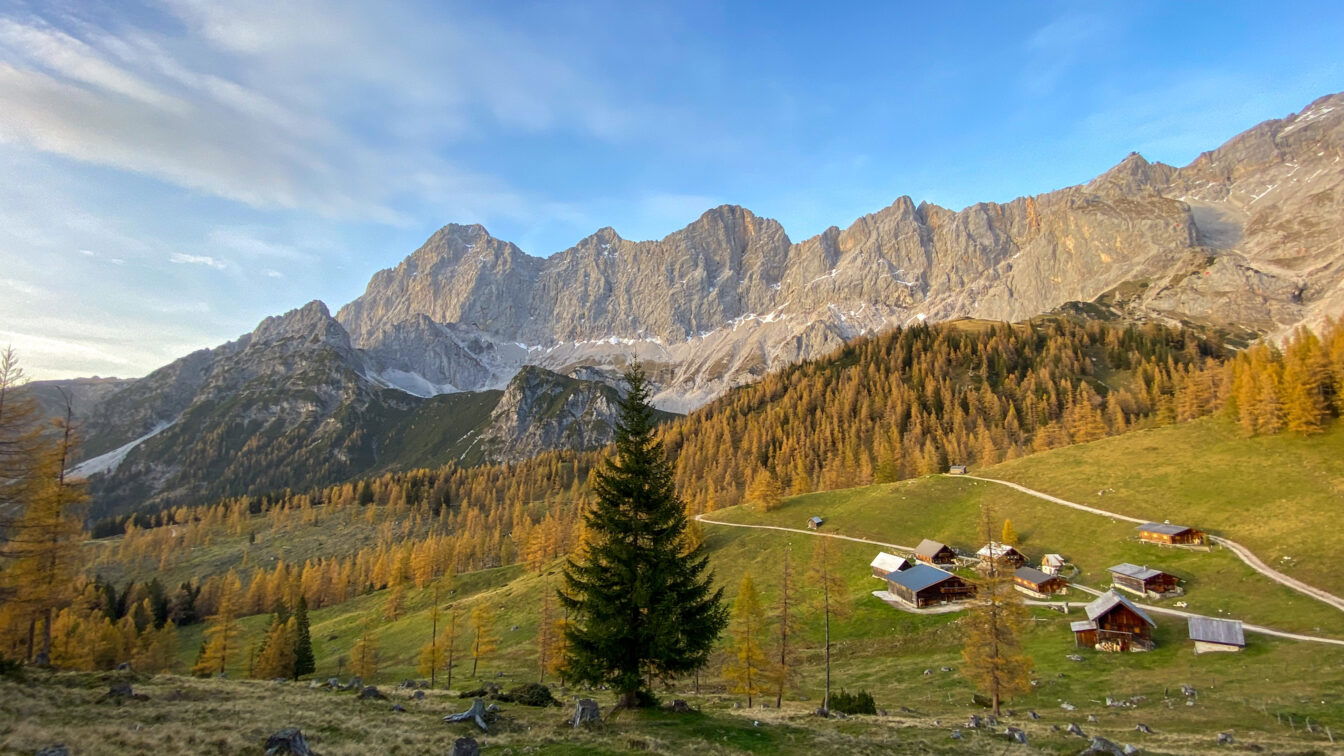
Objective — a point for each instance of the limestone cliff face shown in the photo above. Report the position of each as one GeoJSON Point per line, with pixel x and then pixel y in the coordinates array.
{"type": "Point", "coordinates": [540, 410]}
{"type": "Point", "coordinates": [1246, 236]}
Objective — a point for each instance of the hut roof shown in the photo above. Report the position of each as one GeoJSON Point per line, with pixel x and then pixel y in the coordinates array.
{"type": "Point", "coordinates": [888, 562]}
{"type": "Point", "coordinates": [1135, 571]}
{"type": "Point", "coordinates": [919, 577]}
{"type": "Point", "coordinates": [928, 547]}
{"type": "Point", "coordinates": [1033, 575]}
{"type": "Point", "coordinates": [1165, 528]}
{"type": "Point", "coordinates": [1109, 601]}
{"type": "Point", "coordinates": [994, 550]}
{"type": "Point", "coordinates": [1081, 625]}
{"type": "Point", "coordinates": [815, 519]}
{"type": "Point", "coordinates": [1212, 630]}
{"type": "Point", "coordinates": [1055, 559]}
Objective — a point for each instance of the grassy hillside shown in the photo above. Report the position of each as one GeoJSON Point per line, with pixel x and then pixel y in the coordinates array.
{"type": "Point", "coordinates": [1278, 495]}
{"type": "Point", "coordinates": [888, 652]}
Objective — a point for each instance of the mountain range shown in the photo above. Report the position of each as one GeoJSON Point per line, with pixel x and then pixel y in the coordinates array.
{"type": "Point", "coordinates": [1246, 239]}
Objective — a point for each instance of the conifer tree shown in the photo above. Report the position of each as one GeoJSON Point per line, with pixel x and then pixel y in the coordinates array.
{"type": "Point", "coordinates": [221, 637]}
{"type": "Point", "coordinates": [304, 661]}
{"type": "Point", "coordinates": [1009, 534]}
{"type": "Point", "coordinates": [483, 638]}
{"type": "Point", "coordinates": [639, 607]}
{"type": "Point", "coordinates": [746, 667]}
{"type": "Point", "coordinates": [765, 493]}
{"type": "Point", "coordinates": [276, 658]}
{"type": "Point", "coordinates": [995, 661]}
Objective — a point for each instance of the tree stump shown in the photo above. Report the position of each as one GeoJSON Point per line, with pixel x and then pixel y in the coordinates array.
{"type": "Point", "coordinates": [585, 713]}
{"type": "Point", "coordinates": [287, 741]}
{"type": "Point", "coordinates": [477, 713]}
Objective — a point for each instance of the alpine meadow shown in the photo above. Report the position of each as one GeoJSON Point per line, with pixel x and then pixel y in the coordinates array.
{"type": "Point", "coordinates": [1047, 460]}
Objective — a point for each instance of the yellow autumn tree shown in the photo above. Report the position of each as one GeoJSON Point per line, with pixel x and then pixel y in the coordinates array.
{"type": "Point", "coordinates": [221, 635]}
{"type": "Point", "coordinates": [483, 638]}
{"type": "Point", "coordinates": [747, 668]}
{"type": "Point", "coordinates": [365, 655]}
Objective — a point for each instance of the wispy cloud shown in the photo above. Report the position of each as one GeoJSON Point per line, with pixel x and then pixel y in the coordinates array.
{"type": "Point", "coordinates": [210, 262]}
{"type": "Point", "coordinates": [337, 107]}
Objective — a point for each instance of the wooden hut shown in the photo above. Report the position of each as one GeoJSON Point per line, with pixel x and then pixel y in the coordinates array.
{"type": "Point", "coordinates": [935, 553]}
{"type": "Point", "coordinates": [957, 470]}
{"type": "Point", "coordinates": [1166, 534]}
{"type": "Point", "coordinates": [814, 522]}
{"type": "Point", "coordinates": [1143, 581]}
{"type": "Point", "coordinates": [1001, 555]}
{"type": "Point", "coordinates": [1037, 584]}
{"type": "Point", "coordinates": [924, 585]}
{"type": "Point", "coordinates": [884, 564]}
{"type": "Point", "coordinates": [1211, 634]}
{"type": "Point", "coordinates": [1052, 564]}
{"type": "Point", "coordinates": [1114, 624]}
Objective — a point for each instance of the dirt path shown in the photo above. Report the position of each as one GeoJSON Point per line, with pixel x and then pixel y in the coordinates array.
{"type": "Point", "coordinates": [702, 518]}
{"type": "Point", "coordinates": [954, 608]}
{"type": "Point", "coordinates": [1243, 553]}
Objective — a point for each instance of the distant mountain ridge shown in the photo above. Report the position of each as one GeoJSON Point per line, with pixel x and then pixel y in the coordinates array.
{"type": "Point", "coordinates": [1247, 238]}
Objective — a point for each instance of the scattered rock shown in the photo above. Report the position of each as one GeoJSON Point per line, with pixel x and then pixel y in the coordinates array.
{"type": "Point", "coordinates": [124, 667]}
{"type": "Point", "coordinates": [1092, 717]}
{"type": "Point", "coordinates": [585, 713]}
{"type": "Point", "coordinates": [466, 747]}
{"type": "Point", "coordinates": [1015, 735]}
{"type": "Point", "coordinates": [287, 741]}
{"type": "Point", "coordinates": [928, 671]}
{"type": "Point", "coordinates": [1074, 729]}
{"type": "Point", "coordinates": [398, 708]}
{"type": "Point", "coordinates": [1101, 747]}
{"type": "Point", "coordinates": [823, 713]}
{"type": "Point", "coordinates": [334, 683]}
{"type": "Point", "coordinates": [54, 750]}
{"type": "Point", "coordinates": [679, 706]}
{"type": "Point", "coordinates": [974, 722]}
{"type": "Point", "coordinates": [406, 684]}
{"type": "Point", "coordinates": [1188, 690]}
{"type": "Point", "coordinates": [371, 692]}
{"type": "Point", "coordinates": [1066, 706]}
{"type": "Point", "coordinates": [736, 705]}
{"type": "Point", "coordinates": [121, 692]}
{"type": "Point", "coordinates": [1074, 657]}
{"type": "Point", "coordinates": [992, 720]}
{"type": "Point", "coordinates": [419, 695]}
{"type": "Point", "coordinates": [1143, 728]}
{"type": "Point", "coordinates": [945, 669]}
{"type": "Point", "coordinates": [355, 682]}
{"type": "Point", "coordinates": [1225, 738]}
{"type": "Point", "coordinates": [1033, 715]}
{"type": "Point", "coordinates": [1131, 750]}
{"type": "Point", "coordinates": [956, 735]}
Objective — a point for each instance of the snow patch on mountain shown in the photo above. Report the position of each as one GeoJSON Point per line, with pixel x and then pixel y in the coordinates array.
{"type": "Point", "coordinates": [110, 460]}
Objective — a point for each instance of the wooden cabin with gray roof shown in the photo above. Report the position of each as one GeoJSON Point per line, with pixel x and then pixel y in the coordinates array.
{"type": "Point", "coordinates": [1167, 534]}
{"type": "Point", "coordinates": [1144, 581]}
{"type": "Point", "coordinates": [1211, 634]}
{"type": "Point", "coordinates": [935, 553]}
{"type": "Point", "coordinates": [884, 564]}
{"type": "Point", "coordinates": [1038, 584]}
{"type": "Point", "coordinates": [1114, 623]}
{"type": "Point", "coordinates": [924, 585]}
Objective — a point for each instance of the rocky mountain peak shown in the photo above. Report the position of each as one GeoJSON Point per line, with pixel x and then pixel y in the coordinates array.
{"type": "Point", "coordinates": [311, 323]}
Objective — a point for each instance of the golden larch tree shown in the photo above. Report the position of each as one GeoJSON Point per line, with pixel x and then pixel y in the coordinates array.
{"type": "Point", "coordinates": [747, 668]}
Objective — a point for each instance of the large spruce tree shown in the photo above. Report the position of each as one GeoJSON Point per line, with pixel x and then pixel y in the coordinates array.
{"type": "Point", "coordinates": [642, 606]}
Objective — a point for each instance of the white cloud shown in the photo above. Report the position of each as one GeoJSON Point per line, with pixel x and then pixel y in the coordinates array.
{"type": "Point", "coordinates": [272, 273]}
{"type": "Point", "coordinates": [339, 107]}
{"type": "Point", "coordinates": [206, 260]}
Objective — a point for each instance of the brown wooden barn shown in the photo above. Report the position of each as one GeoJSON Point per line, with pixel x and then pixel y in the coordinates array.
{"type": "Point", "coordinates": [932, 552]}
{"type": "Point", "coordinates": [1035, 583]}
{"type": "Point", "coordinates": [884, 564]}
{"type": "Point", "coordinates": [1002, 555]}
{"type": "Point", "coordinates": [814, 522]}
{"type": "Point", "coordinates": [1171, 535]}
{"type": "Point", "coordinates": [924, 585]}
{"type": "Point", "coordinates": [1143, 581]}
{"type": "Point", "coordinates": [1114, 624]}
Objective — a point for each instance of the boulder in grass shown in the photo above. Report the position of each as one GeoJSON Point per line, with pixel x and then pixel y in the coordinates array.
{"type": "Point", "coordinates": [371, 692]}
{"type": "Point", "coordinates": [419, 695]}
{"type": "Point", "coordinates": [466, 747]}
{"type": "Point", "coordinates": [679, 706]}
{"type": "Point", "coordinates": [1131, 750]}
{"type": "Point", "coordinates": [1074, 729]}
{"type": "Point", "coordinates": [287, 742]}
{"type": "Point", "coordinates": [54, 750]}
{"type": "Point", "coordinates": [1101, 747]}
{"type": "Point", "coordinates": [1016, 736]}
{"type": "Point", "coordinates": [1225, 738]}
{"type": "Point", "coordinates": [1143, 728]}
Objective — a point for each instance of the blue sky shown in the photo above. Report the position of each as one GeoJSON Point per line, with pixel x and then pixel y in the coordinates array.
{"type": "Point", "coordinates": [171, 172]}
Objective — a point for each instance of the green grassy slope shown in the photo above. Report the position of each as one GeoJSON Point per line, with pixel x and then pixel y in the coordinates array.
{"type": "Point", "coordinates": [1280, 496]}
